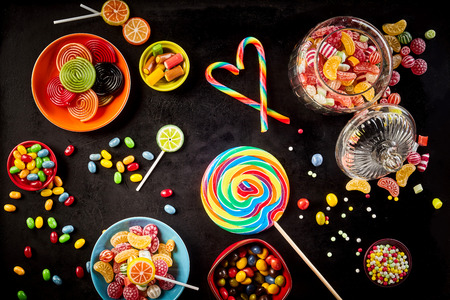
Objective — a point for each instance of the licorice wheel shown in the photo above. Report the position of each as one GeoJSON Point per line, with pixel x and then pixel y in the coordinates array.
{"type": "Point", "coordinates": [57, 94]}
{"type": "Point", "coordinates": [105, 100]}
{"type": "Point", "coordinates": [71, 51]}
{"type": "Point", "coordinates": [109, 79]}
{"type": "Point", "coordinates": [77, 75]}
{"type": "Point", "coordinates": [85, 106]}
{"type": "Point", "coordinates": [101, 51]}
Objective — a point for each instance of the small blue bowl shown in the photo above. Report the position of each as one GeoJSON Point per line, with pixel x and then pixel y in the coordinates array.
{"type": "Point", "coordinates": [179, 269]}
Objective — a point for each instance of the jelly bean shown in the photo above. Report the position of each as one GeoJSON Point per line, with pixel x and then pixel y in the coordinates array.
{"type": "Point", "coordinates": [269, 279]}
{"type": "Point", "coordinates": [320, 218]}
{"type": "Point", "coordinates": [48, 205]}
{"type": "Point", "coordinates": [27, 251]}
{"type": "Point", "coordinates": [133, 167]}
{"type": "Point", "coordinates": [69, 150]}
{"type": "Point", "coordinates": [128, 160]}
{"type": "Point", "coordinates": [79, 243]}
{"type": "Point", "coordinates": [241, 263]}
{"type": "Point", "coordinates": [114, 142]}
{"type": "Point", "coordinates": [261, 265]}
{"type": "Point", "coordinates": [9, 207]}
{"type": "Point", "coordinates": [117, 177]}
{"type": "Point", "coordinates": [303, 203]}
{"type": "Point", "coordinates": [45, 159]}
{"type": "Point", "coordinates": [69, 201]}
{"type": "Point", "coordinates": [21, 295]}
{"type": "Point", "coordinates": [148, 155]}
{"type": "Point", "coordinates": [64, 238]}
{"type": "Point", "coordinates": [41, 175]}
{"type": "Point", "coordinates": [120, 166]}
{"type": "Point", "coordinates": [251, 260]}
{"type": "Point", "coordinates": [19, 270]}
{"type": "Point", "coordinates": [129, 142]}
{"type": "Point", "coordinates": [43, 153]}
{"type": "Point", "coordinates": [280, 280]}
{"type": "Point", "coordinates": [52, 223]}
{"type": "Point", "coordinates": [14, 169]}
{"type": "Point", "coordinates": [48, 172]}
{"type": "Point", "coordinates": [106, 155]}
{"type": "Point", "coordinates": [331, 199]}
{"type": "Point", "coordinates": [221, 282]}
{"type": "Point", "coordinates": [35, 148]}
{"type": "Point", "coordinates": [38, 162]}
{"type": "Point", "coordinates": [437, 203]}
{"type": "Point", "coordinates": [240, 276]}
{"type": "Point", "coordinates": [95, 156]}
{"type": "Point", "coordinates": [39, 222]}
{"type": "Point", "coordinates": [58, 190]}
{"type": "Point", "coordinates": [22, 149]}
{"type": "Point", "coordinates": [68, 229]}
{"type": "Point", "coordinates": [30, 223]}
{"type": "Point", "coordinates": [46, 192]}
{"type": "Point", "coordinates": [26, 158]}
{"type": "Point", "coordinates": [166, 193]}
{"type": "Point", "coordinates": [79, 271]}
{"type": "Point", "coordinates": [15, 195]}
{"type": "Point", "coordinates": [57, 280]}
{"type": "Point", "coordinates": [273, 289]}
{"type": "Point", "coordinates": [317, 160]}
{"type": "Point", "coordinates": [31, 165]}
{"type": "Point", "coordinates": [54, 237]}
{"type": "Point", "coordinates": [32, 177]}
{"type": "Point", "coordinates": [48, 164]}
{"type": "Point", "coordinates": [223, 293]}
{"type": "Point", "coordinates": [46, 274]}
{"type": "Point", "coordinates": [88, 266]}
{"type": "Point", "coordinates": [136, 177]}
{"type": "Point", "coordinates": [169, 209]}
{"type": "Point", "coordinates": [63, 197]}
{"type": "Point", "coordinates": [106, 163]}
{"type": "Point", "coordinates": [92, 167]}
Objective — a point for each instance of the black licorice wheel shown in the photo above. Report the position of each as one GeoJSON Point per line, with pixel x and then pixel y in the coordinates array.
{"type": "Point", "coordinates": [109, 79]}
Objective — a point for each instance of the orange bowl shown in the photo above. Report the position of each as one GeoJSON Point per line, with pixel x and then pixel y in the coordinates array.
{"type": "Point", "coordinates": [45, 69]}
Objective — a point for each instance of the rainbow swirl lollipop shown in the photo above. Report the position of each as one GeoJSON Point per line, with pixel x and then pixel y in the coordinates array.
{"type": "Point", "coordinates": [244, 190]}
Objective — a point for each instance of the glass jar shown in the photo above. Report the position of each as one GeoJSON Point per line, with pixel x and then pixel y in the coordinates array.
{"type": "Point", "coordinates": [376, 142]}
{"type": "Point", "coordinates": [342, 65]}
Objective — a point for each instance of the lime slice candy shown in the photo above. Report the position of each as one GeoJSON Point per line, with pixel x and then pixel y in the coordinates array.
{"type": "Point", "coordinates": [170, 138]}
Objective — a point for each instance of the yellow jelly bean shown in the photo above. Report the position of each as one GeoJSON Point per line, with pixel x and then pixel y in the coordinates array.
{"type": "Point", "coordinates": [261, 265]}
{"type": "Point", "coordinates": [57, 181]}
{"type": "Point", "coordinates": [9, 207]}
{"type": "Point", "coordinates": [34, 171]}
{"type": "Point", "coordinates": [136, 177]}
{"type": "Point", "coordinates": [22, 149]}
{"type": "Point", "coordinates": [39, 222]}
{"type": "Point", "coordinates": [19, 164]}
{"type": "Point", "coordinates": [31, 165]}
{"type": "Point", "coordinates": [15, 195]}
{"type": "Point", "coordinates": [128, 160]}
{"type": "Point", "coordinates": [332, 199]}
{"type": "Point", "coordinates": [120, 167]}
{"type": "Point", "coordinates": [19, 270]}
{"type": "Point", "coordinates": [264, 253]}
{"type": "Point", "coordinates": [17, 154]}
{"type": "Point", "coordinates": [106, 155]}
{"type": "Point", "coordinates": [58, 190]}
{"type": "Point", "coordinates": [106, 163]}
{"type": "Point", "coordinates": [320, 218]}
{"type": "Point", "coordinates": [24, 173]}
{"type": "Point", "coordinates": [241, 263]}
{"type": "Point", "coordinates": [48, 205]}
{"type": "Point", "coordinates": [33, 155]}
{"type": "Point", "coordinates": [240, 276]}
{"type": "Point", "coordinates": [46, 192]}
{"type": "Point", "coordinates": [79, 243]}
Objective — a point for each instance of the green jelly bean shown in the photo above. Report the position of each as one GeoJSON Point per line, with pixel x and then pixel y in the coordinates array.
{"type": "Point", "coordinates": [42, 176]}
{"type": "Point", "coordinates": [14, 170]}
{"type": "Point", "coordinates": [52, 223]}
{"type": "Point", "coordinates": [38, 161]}
{"type": "Point", "coordinates": [64, 238]}
{"type": "Point", "coordinates": [21, 295]}
{"type": "Point", "coordinates": [46, 274]}
{"type": "Point", "coordinates": [129, 142]}
{"type": "Point", "coordinates": [29, 149]}
{"type": "Point", "coordinates": [117, 177]}
{"type": "Point", "coordinates": [35, 148]}
{"type": "Point", "coordinates": [46, 158]}
{"type": "Point", "coordinates": [30, 223]}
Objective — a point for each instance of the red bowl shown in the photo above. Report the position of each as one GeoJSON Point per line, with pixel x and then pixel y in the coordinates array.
{"type": "Point", "coordinates": [23, 184]}
{"type": "Point", "coordinates": [398, 245]}
{"type": "Point", "coordinates": [284, 291]}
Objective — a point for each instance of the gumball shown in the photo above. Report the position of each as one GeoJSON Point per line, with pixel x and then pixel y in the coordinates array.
{"type": "Point", "coordinates": [276, 264]}
{"type": "Point", "coordinates": [303, 203]}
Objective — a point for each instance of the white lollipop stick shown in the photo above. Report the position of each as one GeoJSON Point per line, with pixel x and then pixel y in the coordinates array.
{"type": "Point", "coordinates": [90, 9]}
{"type": "Point", "coordinates": [75, 18]}
{"type": "Point", "coordinates": [176, 282]}
{"type": "Point", "coordinates": [150, 171]}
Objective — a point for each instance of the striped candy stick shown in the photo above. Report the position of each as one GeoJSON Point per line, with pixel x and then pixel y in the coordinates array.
{"type": "Point", "coordinates": [238, 96]}
{"type": "Point", "coordinates": [262, 75]}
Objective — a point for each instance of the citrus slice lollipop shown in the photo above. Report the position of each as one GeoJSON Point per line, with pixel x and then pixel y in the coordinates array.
{"type": "Point", "coordinates": [170, 138]}
{"type": "Point", "coordinates": [115, 12]}
{"type": "Point", "coordinates": [136, 31]}
{"type": "Point", "coordinates": [141, 271]}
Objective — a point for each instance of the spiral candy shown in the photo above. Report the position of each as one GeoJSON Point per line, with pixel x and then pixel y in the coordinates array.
{"type": "Point", "coordinates": [57, 94]}
{"type": "Point", "coordinates": [244, 190]}
{"type": "Point", "coordinates": [71, 51]}
{"type": "Point", "coordinates": [101, 51]}
{"type": "Point", "coordinates": [77, 75]}
{"type": "Point", "coordinates": [109, 79]}
{"type": "Point", "coordinates": [85, 106]}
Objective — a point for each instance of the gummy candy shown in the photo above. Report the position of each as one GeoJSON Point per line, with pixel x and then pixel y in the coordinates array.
{"type": "Point", "coordinates": [403, 174]}
{"type": "Point", "coordinates": [357, 184]}
{"type": "Point", "coordinates": [105, 270]}
{"type": "Point", "coordinates": [394, 28]}
{"type": "Point", "coordinates": [390, 185]}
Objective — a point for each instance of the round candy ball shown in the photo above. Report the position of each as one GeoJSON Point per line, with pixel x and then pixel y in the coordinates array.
{"type": "Point", "coordinates": [317, 160]}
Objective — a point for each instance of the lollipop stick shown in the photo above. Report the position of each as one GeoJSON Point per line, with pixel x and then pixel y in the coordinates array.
{"type": "Point", "coordinates": [149, 171]}
{"type": "Point", "coordinates": [89, 9]}
{"type": "Point", "coordinates": [306, 260]}
{"type": "Point", "coordinates": [176, 282]}
{"type": "Point", "coordinates": [76, 18]}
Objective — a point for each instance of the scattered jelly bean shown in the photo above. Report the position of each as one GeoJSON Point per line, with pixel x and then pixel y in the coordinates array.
{"type": "Point", "coordinates": [106, 155]}
{"type": "Point", "coordinates": [15, 195]}
{"type": "Point", "coordinates": [169, 209]}
{"type": "Point", "coordinates": [68, 229]}
{"type": "Point", "coordinates": [117, 177]}
{"type": "Point", "coordinates": [46, 192]}
{"type": "Point", "coordinates": [128, 160]}
{"type": "Point", "coordinates": [148, 155]}
{"type": "Point", "coordinates": [69, 201]}
{"type": "Point", "coordinates": [92, 167]}
{"type": "Point", "coordinates": [129, 142]}
{"type": "Point", "coordinates": [9, 207]}
{"type": "Point", "coordinates": [136, 177]}
{"type": "Point", "coordinates": [120, 166]}
{"type": "Point", "coordinates": [331, 199]}
{"type": "Point", "coordinates": [133, 167]}
{"type": "Point", "coordinates": [52, 223]}
{"type": "Point", "coordinates": [69, 150]}
{"type": "Point", "coordinates": [79, 243]}
{"type": "Point", "coordinates": [437, 203]}
{"type": "Point", "coordinates": [57, 280]}
{"type": "Point", "coordinates": [95, 156]}
{"type": "Point", "coordinates": [303, 203]}
{"type": "Point", "coordinates": [64, 238]}
{"type": "Point", "coordinates": [106, 163]}
{"type": "Point", "coordinates": [320, 218]}
{"type": "Point", "coordinates": [48, 205]}
{"type": "Point", "coordinates": [63, 197]}
{"type": "Point", "coordinates": [46, 274]}
{"type": "Point", "coordinates": [114, 142]}
{"type": "Point", "coordinates": [79, 271]}
{"type": "Point", "coordinates": [317, 160]}
{"type": "Point", "coordinates": [88, 266]}
{"type": "Point", "coordinates": [43, 153]}
{"type": "Point", "coordinates": [58, 190]}
{"type": "Point", "coordinates": [54, 237]}
{"type": "Point", "coordinates": [39, 222]}
{"type": "Point", "coordinates": [166, 193]}
{"type": "Point", "coordinates": [30, 223]}
{"type": "Point", "coordinates": [57, 181]}
{"type": "Point", "coordinates": [19, 270]}
{"type": "Point", "coordinates": [27, 251]}
{"type": "Point", "coordinates": [21, 295]}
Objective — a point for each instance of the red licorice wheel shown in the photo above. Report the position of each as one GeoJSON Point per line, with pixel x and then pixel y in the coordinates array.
{"type": "Point", "coordinates": [58, 94]}
{"type": "Point", "coordinates": [101, 51]}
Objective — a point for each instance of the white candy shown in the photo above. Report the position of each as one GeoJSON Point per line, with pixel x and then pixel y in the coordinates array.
{"type": "Point", "coordinates": [153, 291]}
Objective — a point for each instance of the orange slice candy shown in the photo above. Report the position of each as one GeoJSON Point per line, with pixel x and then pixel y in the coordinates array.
{"type": "Point", "coordinates": [105, 269]}
{"type": "Point", "coordinates": [403, 174]}
{"type": "Point", "coordinates": [394, 28]}
{"type": "Point", "coordinates": [348, 43]}
{"type": "Point", "coordinates": [393, 42]}
{"type": "Point", "coordinates": [330, 67]}
{"type": "Point", "coordinates": [163, 257]}
{"type": "Point", "coordinates": [115, 12]}
{"type": "Point", "coordinates": [366, 89]}
{"type": "Point", "coordinates": [119, 238]}
{"type": "Point", "coordinates": [124, 255]}
{"type": "Point", "coordinates": [136, 31]}
{"type": "Point", "coordinates": [390, 185]}
{"type": "Point", "coordinates": [356, 184]}
{"type": "Point", "coordinates": [85, 106]}
{"type": "Point", "coordinates": [139, 241]}
{"type": "Point", "coordinates": [141, 271]}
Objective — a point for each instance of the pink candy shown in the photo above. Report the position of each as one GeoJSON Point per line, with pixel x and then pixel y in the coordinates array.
{"type": "Point", "coordinates": [408, 61]}
{"type": "Point", "coordinates": [327, 50]}
{"type": "Point", "coordinates": [395, 78]}
{"type": "Point", "coordinates": [414, 158]}
{"type": "Point", "coordinates": [420, 66]}
{"type": "Point", "coordinates": [310, 55]}
{"type": "Point", "coordinates": [423, 162]}
{"type": "Point", "coordinates": [394, 98]}
{"type": "Point", "coordinates": [417, 46]}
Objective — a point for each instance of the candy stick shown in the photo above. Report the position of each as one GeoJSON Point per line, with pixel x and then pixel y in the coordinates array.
{"type": "Point", "coordinates": [306, 260]}
{"type": "Point", "coordinates": [262, 75]}
{"type": "Point", "coordinates": [90, 9]}
{"type": "Point", "coordinates": [236, 95]}
{"type": "Point", "coordinates": [177, 282]}
{"type": "Point", "coordinates": [150, 171]}
{"type": "Point", "coordinates": [93, 11]}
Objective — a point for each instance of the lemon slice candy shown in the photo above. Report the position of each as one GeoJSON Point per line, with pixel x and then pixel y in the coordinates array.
{"type": "Point", "coordinates": [170, 138]}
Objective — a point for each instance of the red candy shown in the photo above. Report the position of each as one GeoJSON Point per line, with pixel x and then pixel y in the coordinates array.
{"type": "Point", "coordinates": [166, 193]}
{"type": "Point", "coordinates": [395, 78]}
{"type": "Point", "coordinates": [69, 201]}
{"type": "Point", "coordinates": [394, 98]}
{"type": "Point", "coordinates": [223, 293]}
{"type": "Point", "coordinates": [420, 66]}
{"type": "Point", "coordinates": [106, 255]}
{"type": "Point", "coordinates": [150, 229]}
{"type": "Point", "coordinates": [423, 162]}
{"type": "Point", "coordinates": [414, 158]}
{"type": "Point", "coordinates": [54, 237]}
{"type": "Point", "coordinates": [27, 252]}
{"type": "Point", "coordinates": [133, 167]}
{"type": "Point", "coordinates": [390, 185]}
{"type": "Point", "coordinates": [408, 61]}
{"type": "Point", "coordinates": [422, 140]}
{"type": "Point", "coordinates": [115, 290]}
{"type": "Point", "coordinates": [405, 51]}
{"type": "Point", "coordinates": [276, 264]}
{"type": "Point", "coordinates": [26, 158]}
{"type": "Point", "coordinates": [161, 267]}
{"type": "Point", "coordinates": [417, 46]}
{"type": "Point", "coordinates": [232, 272]}
{"type": "Point", "coordinates": [166, 285]}
{"type": "Point", "coordinates": [154, 245]}
{"type": "Point", "coordinates": [131, 292]}
{"type": "Point", "coordinates": [303, 203]}
{"type": "Point", "coordinates": [79, 271]}
{"type": "Point", "coordinates": [375, 58]}
{"type": "Point", "coordinates": [138, 230]}
{"type": "Point", "coordinates": [69, 150]}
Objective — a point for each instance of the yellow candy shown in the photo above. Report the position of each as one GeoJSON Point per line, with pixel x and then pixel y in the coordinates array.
{"type": "Point", "coordinates": [24, 173]}
{"type": "Point", "coordinates": [241, 263]}
{"type": "Point", "coordinates": [39, 222]}
{"type": "Point", "coordinates": [123, 256]}
{"type": "Point", "coordinates": [331, 66]}
{"type": "Point", "coordinates": [273, 289]}
{"type": "Point", "coordinates": [128, 160]}
{"type": "Point", "coordinates": [320, 218]}
{"type": "Point", "coordinates": [48, 205]}
{"type": "Point", "coordinates": [247, 281]}
{"type": "Point", "coordinates": [79, 243]}
{"type": "Point", "coordinates": [265, 285]}
{"type": "Point", "coordinates": [348, 43]}
{"type": "Point", "coordinates": [57, 181]}
{"type": "Point", "coordinates": [19, 270]}
{"type": "Point", "coordinates": [261, 265]}
{"type": "Point", "coordinates": [46, 192]}
{"type": "Point", "coordinates": [365, 88]}
{"type": "Point", "coordinates": [106, 163]}
{"type": "Point", "coordinates": [33, 155]}
{"type": "Point", "coordinates": [403, 174]}
{"type": "Point", "coordinates": [34, 171]}
{"type": "Point", "coordinates": [136, 177]}
{"type": "Point", "coordinates": [106, 155]}
{"type": "Point", "coordinates": [58, 190]}
{"type": "Point", "coordinates": [15, 195]}
{"type": "Point", "coordinates": [31, 165]}
{"type": "Point", "coordinates": [120, 167]}
{"type": "Point", "coordinates": [437, 203]}
{"type": "Point", "coordinates": [9, 207]}
{"type": "Point", "coordinates": [139, 241]}
{"type": "Point", "coordinates": [356, 184]}
{"type": "Point", "coordinates": [394, 28]}
{"type": "Point", "coordinates": [19, 164]}
{"type": "Point", "coordinates": [105, 269]}
{"type": "Point", "coordinates": [22, 149]}
{"type": "Point", "coordinates": [17, 154]}
{"type": "Point", "coordinates": [393, 42]}
{"type": "Point", "coordinates": [263, 254]}
{"type": "Point", "coordinates": [331, 199]}
{"type": "Point", "coordinates": [396, 60]}
{"type": "Point", "coordinates": [240, 276]}
{"type": "Point", "coordinates": [170, 245]}
{"type": "Point", "coordinates": [50, 185]}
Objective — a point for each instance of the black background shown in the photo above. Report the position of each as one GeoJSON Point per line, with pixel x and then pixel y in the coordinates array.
{"type": "Point", "coordinates": [210, 31]}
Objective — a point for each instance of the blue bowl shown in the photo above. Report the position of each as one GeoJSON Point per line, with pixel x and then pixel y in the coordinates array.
{"type": "Point", "coordinates": [179, 269]}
